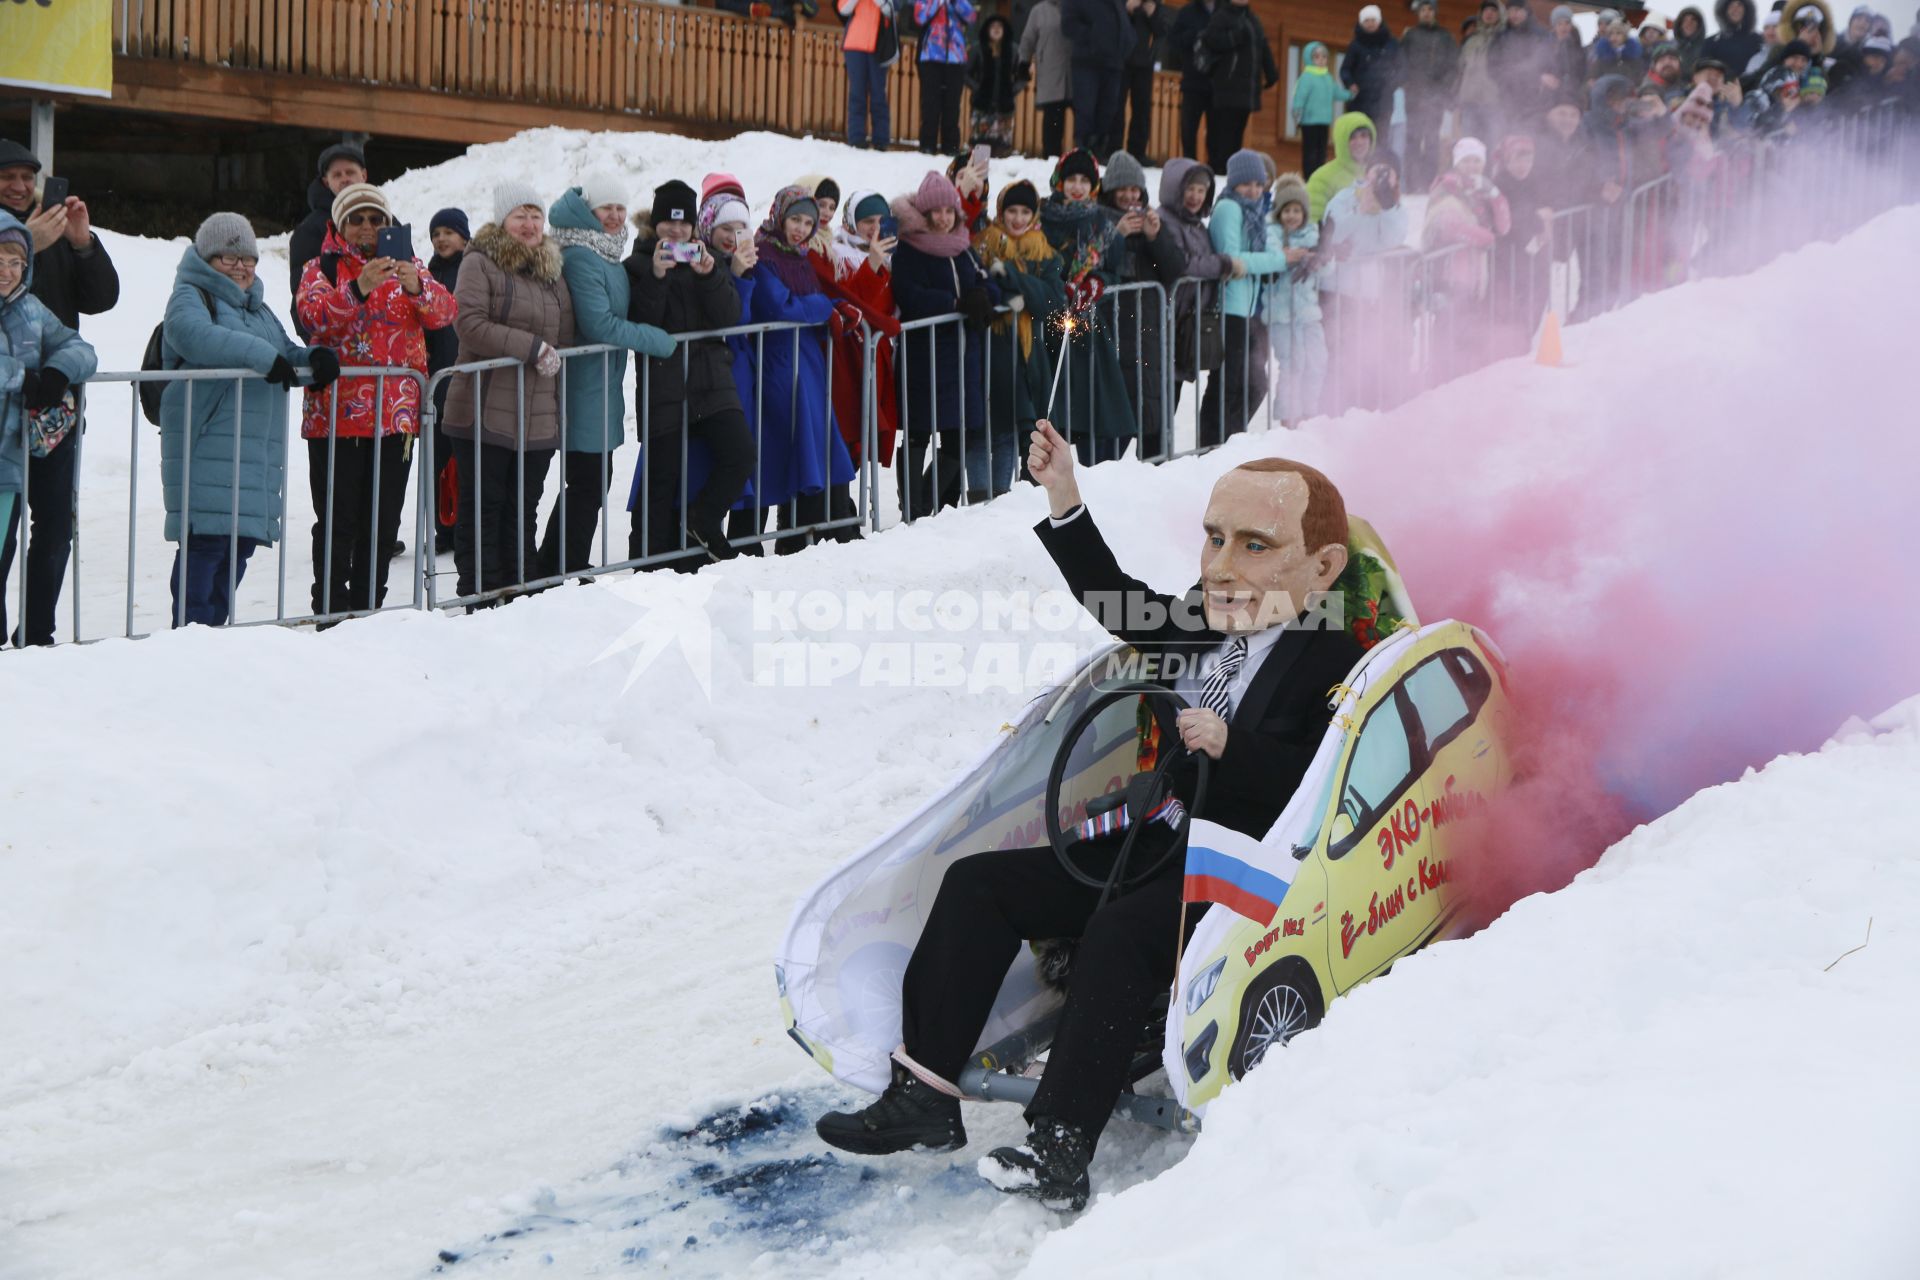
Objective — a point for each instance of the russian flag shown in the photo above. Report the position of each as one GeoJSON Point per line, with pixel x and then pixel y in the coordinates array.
{"type": "Point", "coordinates": [1232, 869]}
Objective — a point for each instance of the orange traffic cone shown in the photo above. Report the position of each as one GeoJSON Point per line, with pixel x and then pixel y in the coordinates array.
{"type": "Point", "coordinates": [1549, 352]}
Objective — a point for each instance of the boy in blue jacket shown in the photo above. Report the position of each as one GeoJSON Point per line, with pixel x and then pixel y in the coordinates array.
{"type": "Point", "coordinates": [1293, 306]}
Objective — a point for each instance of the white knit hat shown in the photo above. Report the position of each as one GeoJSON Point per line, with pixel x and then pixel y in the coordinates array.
{"type": "Point", "coordinates": [511, 195]}
{"type": "Point", "coordinates": [1370, 11]}
{"type": "Point", "coordinates": [604, 187]}
{"type": "Point", "coordinates": [1469, 147]}
{"type": "Point", "coordinates": [732, 211]}
{"type": "Point", "coordinates": [359, 195]}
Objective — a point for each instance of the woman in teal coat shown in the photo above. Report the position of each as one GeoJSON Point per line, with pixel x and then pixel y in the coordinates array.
{"type": "Point", "coordinates": [1239, 232]}
{"type": "Point", "coordinates": [224, 467]}
{"type": "Point", "coordinates": [40, 358]}
{"type": "Point", "coordinates": [589, 223]}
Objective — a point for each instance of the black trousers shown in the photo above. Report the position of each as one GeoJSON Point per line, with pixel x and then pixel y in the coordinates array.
{"type": "Point", "coordinates": [498, 516]}
{"type": "Point", "coordinates": [584, 478]}
{"type": "Point", "coordinates": [1096, 106]}
{"type": "Point", "coordinates": [940, 85]}
{"type": "Point", "coordinates": [1196, 105]}
{"type": "Point", "coordinates": [1137, 100]}
{"type": "Point", "coordinates": [1226, 128]}
{"type": "Point", "coordinates": [1424, 160]}
{"type": "Point", "coordinates": [357, 576]}
{"type": "Point", "coordinates": [1313, 147]}
{"type": "Point", "coordinates": [1238, 387]}
{"type": "Point", "coordinates": [988, 907]}
{"type": "Point", "coordinates": [1053, 128]}
{"type": "Point", "coordinates": [657, 518]}
{"type": "Point", "coordinates": [50, 507]}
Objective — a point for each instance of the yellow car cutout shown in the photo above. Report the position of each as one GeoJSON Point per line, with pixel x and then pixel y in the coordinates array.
{"type": "Point", "coordinates": [1416, 744]}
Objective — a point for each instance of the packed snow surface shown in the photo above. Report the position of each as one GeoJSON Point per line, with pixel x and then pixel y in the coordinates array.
{"type": "Point", "coordinates": [441, 942]}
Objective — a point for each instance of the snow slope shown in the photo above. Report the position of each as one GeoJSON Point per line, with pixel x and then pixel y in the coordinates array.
{"type": "Point", "coordinates": [329, 953]}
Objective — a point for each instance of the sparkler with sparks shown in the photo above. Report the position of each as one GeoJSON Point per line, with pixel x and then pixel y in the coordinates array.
{"type": "Point", "coordinates": [1066, 323]}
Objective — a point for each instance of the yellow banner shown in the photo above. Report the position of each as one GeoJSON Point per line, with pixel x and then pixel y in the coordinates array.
{"type": "Point", "coordinates": [62, 45]}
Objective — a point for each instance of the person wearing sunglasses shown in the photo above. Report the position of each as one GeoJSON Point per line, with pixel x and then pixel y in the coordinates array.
{"type": "Point", "coordinates": [374, 307]}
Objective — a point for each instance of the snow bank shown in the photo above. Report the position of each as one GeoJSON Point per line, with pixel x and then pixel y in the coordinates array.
{"type": "Point", "coordinates": [328, 951]}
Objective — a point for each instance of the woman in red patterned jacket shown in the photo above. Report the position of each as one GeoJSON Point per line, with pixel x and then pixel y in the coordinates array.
{"type": "Point", "coordinates": [373, 311]}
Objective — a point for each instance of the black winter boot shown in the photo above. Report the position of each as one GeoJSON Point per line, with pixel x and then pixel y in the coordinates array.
{"type": "Point", "coordinates": [1050, 1166]}
{"type": "Point", "coordinates": [911, 1113]}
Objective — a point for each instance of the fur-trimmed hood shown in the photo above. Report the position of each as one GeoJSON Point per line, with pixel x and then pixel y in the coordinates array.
{"type": "Point", "coordinates": [540, 262]}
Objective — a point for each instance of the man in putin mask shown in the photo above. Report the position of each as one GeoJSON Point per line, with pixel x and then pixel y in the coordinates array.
{"type": "Point", "coordinates": [1256, 662]}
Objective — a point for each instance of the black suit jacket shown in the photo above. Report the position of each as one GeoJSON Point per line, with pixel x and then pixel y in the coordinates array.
{"type": "Point", "coordinates": [1278, 724]}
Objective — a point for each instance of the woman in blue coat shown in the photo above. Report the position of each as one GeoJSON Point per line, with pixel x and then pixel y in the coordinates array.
{"type": "Point", "coordinates": [592, 232]}
{"type": "Point", "coordinates": [801, 452]}
{"type": "Point", "coordinates": [40, 358]}
{"type": "Point", "coordinates": [231, 491]}
{"type": "Point", "coordinates": [942, 388]}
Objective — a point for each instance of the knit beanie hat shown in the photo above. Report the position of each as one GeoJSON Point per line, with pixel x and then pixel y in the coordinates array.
{"type": "Point", "coordinates": [602, 187]}
{"type": "Point", "coordinates": [827, 190]}
{"type": "Point", "coordinates": [1290, 188]}
{"type": "Point", "coordinates": [12, 153]}
{"type": "Point", "coordinates": [872, 205]}
{"type": "Point", "coordinates": [673, 201]}
{"type": "Point", "coordinates": [17, 238]}
{"type": "Point", "coordinates": [1878, 44]}
{"type": "Point", "coordinates": [1022, 194]}
{"type": "Point", "coordinates": [1795, 49]}
{"type": "Point", "coordinates": [358, 195]}
{"type": "Point", "coordinates": [1079, 163]}
{"type": "Point", "coordinates": [714, 183]}
{"type": "Point", "coordinates": [1370, 11]}
{"type": "Point", "coordinates": [225, 233]}
{"type": "Point", "coordinates": [732, 211]}
{"type": "Point", "coordinates": [1665, 49]}
{"type": "Point", "coordinates": [1245, 166]}
{"type": "Point", "coordinates": [1124, 171]}
{"type": "Point", "coordinates": [511, 195]}
{"type": "Point", "coordinates": [1561, 14]}
{"type": "Point", "coordinates": [341, 151]}
{"type": "Point", "coordinates": [454, 220]}
{"type": "Point", "coordinates": [936, 192]}
{"type": "Point", "coordinates": [1815, 87]}
{"type": "Point", "coordinates": [1468, 147]}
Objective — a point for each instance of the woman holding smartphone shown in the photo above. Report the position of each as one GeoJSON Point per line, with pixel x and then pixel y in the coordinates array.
{"type": "Point", "coordinates": [373, 307]}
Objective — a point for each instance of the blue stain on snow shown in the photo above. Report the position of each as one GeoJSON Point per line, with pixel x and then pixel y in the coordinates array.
{"type": "Point", "coordinates": [739, 1183]}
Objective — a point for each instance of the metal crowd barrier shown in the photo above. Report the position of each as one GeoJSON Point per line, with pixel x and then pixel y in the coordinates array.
{"type": "Point", "coordinates": [1393, 324]}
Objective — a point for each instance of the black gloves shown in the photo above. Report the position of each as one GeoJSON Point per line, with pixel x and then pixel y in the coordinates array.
{"type": "Point", "coordinates": [282, 373]}
{"type": "Point", "coordinates": [42, 388]}
{"type": "Point", "coordinates": [324, 364]}
{"type": "Point", "coordinates": [976, 304]}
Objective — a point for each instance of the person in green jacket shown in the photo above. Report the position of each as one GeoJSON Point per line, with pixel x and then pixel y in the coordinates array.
{"type": "Point", "coordinates": [589, 223]}
{"type": "Point", "coordinates": [1354, 139]}
{"type": "Point", "coordinates": [1033, 280]}
{"type": "Point", "coordinates": [1239, 231]}
{"type": "Point", "coordinates": [223, 469]}
{"type": "Point", "coordinates": [1093, 410]}
{"type": "Point", "coordinates": [1316, 95]}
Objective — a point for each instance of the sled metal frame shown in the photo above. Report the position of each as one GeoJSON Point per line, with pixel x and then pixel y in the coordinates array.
{"type": "Point", "coordinates": [995, 1075]}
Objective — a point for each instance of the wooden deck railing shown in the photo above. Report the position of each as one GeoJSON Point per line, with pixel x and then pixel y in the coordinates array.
{"type": "Point", "coordinates": [657, 62]}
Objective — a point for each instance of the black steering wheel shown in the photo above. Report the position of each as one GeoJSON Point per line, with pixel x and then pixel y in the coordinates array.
{"type": "Point", "coordinates": [1143, 791]}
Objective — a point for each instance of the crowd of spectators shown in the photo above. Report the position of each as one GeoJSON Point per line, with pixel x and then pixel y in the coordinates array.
{"type": "Point", "coordinates": [929, 329]}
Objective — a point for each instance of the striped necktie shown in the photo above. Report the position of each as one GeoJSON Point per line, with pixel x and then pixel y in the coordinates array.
{"type": "Point", "coordinates": [1213, 695]}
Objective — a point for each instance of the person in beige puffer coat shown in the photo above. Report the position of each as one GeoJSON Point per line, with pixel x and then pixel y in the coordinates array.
{"type": "Point", "coordinates": [514, 304]}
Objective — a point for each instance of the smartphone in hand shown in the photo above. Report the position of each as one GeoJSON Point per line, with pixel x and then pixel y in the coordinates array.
{"type": "Point", "coordinates": [889, 228]}
{"type": "Point", "coordinates": [55, 193]}
{"type": "Point", "coordinates": [683, 250]}
{"type": "Point", "coordinates": [395, 243]}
